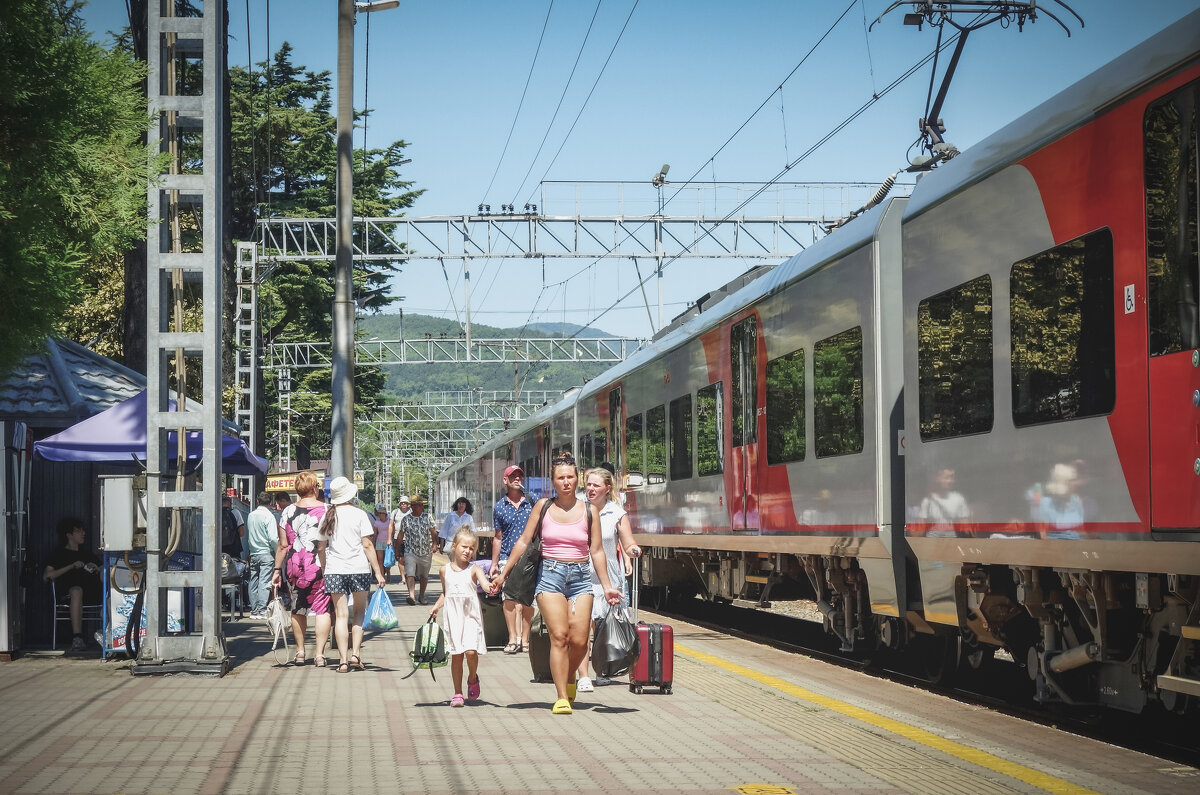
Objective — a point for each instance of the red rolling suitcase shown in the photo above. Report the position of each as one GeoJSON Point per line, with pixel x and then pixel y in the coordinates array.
{"type": "Point", "coordinates": [656, 650]}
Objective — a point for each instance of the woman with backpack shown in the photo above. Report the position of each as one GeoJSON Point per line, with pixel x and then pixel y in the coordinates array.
{"type": "Point", "coordinates": [300, 550]}
{"type": "Point", "coordinates": [570, 530]}
{"type": "Point", "coordinates": [350, 562]}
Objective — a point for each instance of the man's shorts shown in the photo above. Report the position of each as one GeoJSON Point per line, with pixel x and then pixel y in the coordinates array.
{"type": "Point", "coordinates": [417, 566]}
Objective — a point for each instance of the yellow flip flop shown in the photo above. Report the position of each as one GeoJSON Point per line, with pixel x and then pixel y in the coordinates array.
{"type": "Point", "coordinates": [561, 707]}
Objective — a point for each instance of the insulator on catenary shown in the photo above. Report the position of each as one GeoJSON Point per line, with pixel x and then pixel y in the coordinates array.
{"type": "Point", "coordinates": [883, 191]}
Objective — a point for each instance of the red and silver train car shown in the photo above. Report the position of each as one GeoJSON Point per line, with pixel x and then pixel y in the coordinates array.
{"type": "Point", "coordinates": [967, 420]}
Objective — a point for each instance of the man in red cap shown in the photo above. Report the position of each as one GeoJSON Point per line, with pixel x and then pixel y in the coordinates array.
{"type": "Point", "coordinates": [509, 518]}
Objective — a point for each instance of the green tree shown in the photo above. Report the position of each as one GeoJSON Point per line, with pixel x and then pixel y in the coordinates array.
{"type": "Point", "coordinates": [73, 169]}
{"type": "Point", "coordinates": [285, 165]}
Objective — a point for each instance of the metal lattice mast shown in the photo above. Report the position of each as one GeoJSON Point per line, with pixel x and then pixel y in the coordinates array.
{"type": "Point", "coordinates": [383, 489]}
{"type": "Point", "coordinates": [284, 455]}
{"type": "Point", "coordinates": [247, 410]}
{"type": "Point", "coordinates": [173, 41]}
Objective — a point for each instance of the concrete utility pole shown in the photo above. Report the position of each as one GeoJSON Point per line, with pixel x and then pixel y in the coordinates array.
{"type": "Point", "coordinates": [342, 428]}
{"type": "Point", "coordinates": [342, 425]}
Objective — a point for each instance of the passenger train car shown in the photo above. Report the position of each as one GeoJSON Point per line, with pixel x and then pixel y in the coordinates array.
{"type": "Point", "coordinates": [967, 420]}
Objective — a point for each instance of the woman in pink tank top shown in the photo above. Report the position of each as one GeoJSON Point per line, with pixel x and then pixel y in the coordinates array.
{"type": "Point", "coordinates": [571, 546]}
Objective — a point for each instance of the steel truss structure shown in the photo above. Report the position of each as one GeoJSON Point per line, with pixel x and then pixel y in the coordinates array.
{"type": "Point", "coordinates": [752, 235]}
{"type": "Point", "coordinates": [467, 414]}
{"type": "Point", "coordinates": [528, 236]}
{"type": "Point", "coordinates": [599, 350]}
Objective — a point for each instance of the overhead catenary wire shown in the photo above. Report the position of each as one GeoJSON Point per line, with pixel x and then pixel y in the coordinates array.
{"type": "Point", "coordinates": [790, 165]}
{"type": "Point", "coordinates": [586, 99]}
{"type": "Point", "coordinates": [558, 107]}
{"type": "Point", "coordinates": [711, 161]}
{"type": "Point", "coordinates": [250, 83]}
{"type": "Point", "coordinates": [520, 104]}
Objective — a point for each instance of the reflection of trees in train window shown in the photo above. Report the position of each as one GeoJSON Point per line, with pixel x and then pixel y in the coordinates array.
{"type": "Point", "coordinates": [584, 457]}
{"type": "Point", "coordinates": [681, 438]}
{"type": "Point", "coordinates": [743, 355]}
{"type": "Point", "coordinates": [785, 408]}
{"type": "Point", "coordinates": [1172, 253]}
{"type": "Point", "coordinates": [838, 393]}
{"type": "Point", "coordinates": [954, 361]}
{"type": "Point", "coordinates": [656, 442]}
{"type": "Point", "coordinates": [614, 428]}
{"type": "Point", "coordinates": [599, 447]}
{"type": "Point", "coordinates": [635, 453]}
{"type": "Point", "coordinates": [1063, 349]}
{"type": "Point", "coordinates": [709, 428]}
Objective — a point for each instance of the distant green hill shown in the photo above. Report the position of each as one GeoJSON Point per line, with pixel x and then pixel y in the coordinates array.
{"type": "Point", "coordinates": [411, 381]}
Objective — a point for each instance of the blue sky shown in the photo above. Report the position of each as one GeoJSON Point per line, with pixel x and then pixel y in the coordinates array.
{"type": "Point", "coordinates": [447, 77]}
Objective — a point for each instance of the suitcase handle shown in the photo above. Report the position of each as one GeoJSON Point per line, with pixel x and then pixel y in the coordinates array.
{"type": "Point", "coordinates": [637, 579]}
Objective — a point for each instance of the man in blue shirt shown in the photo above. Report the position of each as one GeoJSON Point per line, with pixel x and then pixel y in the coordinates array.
{"type": "Point", "coordinates": [509, 518]}
{"type": "Point", "coordinates": [262, 536]}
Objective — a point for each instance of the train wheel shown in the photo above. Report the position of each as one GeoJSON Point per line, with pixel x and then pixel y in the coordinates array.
{"type": "Point", "coordinates": [979, 655]}
{"type": "Point", "coordinates": [939, 657]}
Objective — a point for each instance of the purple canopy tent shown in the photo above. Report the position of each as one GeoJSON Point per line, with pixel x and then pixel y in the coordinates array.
{"type": "Point", "coordinates": [119, 436]}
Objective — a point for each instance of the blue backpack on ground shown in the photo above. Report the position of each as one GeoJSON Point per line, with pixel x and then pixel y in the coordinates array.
{"type": "Point", "coordinates": [429, 648]}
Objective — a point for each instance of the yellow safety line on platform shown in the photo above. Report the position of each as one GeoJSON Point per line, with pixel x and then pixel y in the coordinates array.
{"type": "Point", "coordinates": [965, 752]}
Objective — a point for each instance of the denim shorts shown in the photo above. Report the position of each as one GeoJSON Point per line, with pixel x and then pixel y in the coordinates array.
{"type": "Point", "coordinates": [572, 580]}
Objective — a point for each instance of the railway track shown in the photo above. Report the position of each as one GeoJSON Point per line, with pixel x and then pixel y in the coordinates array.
{"type": "Point", "coordinates": [998, 684]}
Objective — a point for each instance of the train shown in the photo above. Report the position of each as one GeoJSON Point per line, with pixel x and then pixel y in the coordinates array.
{"type": "Point", "coordinates": [967, 420]}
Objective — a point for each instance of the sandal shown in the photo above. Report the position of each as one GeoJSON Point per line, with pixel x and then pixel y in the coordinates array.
{"type": "Point", "coordinates": [319, 661]}
{"type": "Point", "coordinates": [457, 701]}
{"type": "Point", "coordinates": [512, 648]}
{"type": "Point", "coordinates": [561, 707]}
{"type": "Point", "coordinates": [355, 662]}
{"type": "Point", "coordinates": [342, 669]}
{"type": "Point", "coordinates": [572, 689]}
{"type": "Point", "coordinates": [473, 689]}
{"type": "Point", "coordinates": [298, 659]}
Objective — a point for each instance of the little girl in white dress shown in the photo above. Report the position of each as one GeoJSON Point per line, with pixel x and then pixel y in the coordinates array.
{"type": "Point", "coordinates": [462, 618]}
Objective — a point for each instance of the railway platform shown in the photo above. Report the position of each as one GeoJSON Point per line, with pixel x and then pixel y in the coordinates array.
{"type": "Point", "coordinates": [743, 717]}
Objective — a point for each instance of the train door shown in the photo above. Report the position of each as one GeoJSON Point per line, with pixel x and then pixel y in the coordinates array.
{"type": "Point", "coordinates": [1173, 308]}
{"type": "Point", "coordinates": [743, 353]}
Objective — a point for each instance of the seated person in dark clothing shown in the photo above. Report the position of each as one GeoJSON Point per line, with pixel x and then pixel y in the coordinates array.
{"type": "Point", "coordinates": [75, 571]}
{"type": "Point", "coordinates": [232, 530]}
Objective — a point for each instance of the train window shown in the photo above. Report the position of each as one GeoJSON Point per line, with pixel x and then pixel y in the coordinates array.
{"type": "Point", "coordinates": [584, 456]}
{"type": "Point", "coordinates": [681, 438]}
{"type": "Point", "coordinates": [1172, 253]}
{"type": "Point", "coordinates": [743, 356]}
{"type": "Point", "coordinates": [954, 361]}
{"type": "Point", "coordinates": [785, 408]}
{"type": "Point", "coordinates": [838, 394]}
{"type": "Point", "coordinates": [614, 428]}
{"type": "Point", "coordinates": [656, 444]}
{"type": "Point", "coordinates": [599, 447]}
{"type": "Point", "coordinates": [1063, 345]}
{"type": "Point", "coordinates": [635, 453]}
{"type": "Point", "coordinates": [710, 426]}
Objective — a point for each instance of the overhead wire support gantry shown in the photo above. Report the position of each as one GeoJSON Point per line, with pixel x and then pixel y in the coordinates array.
{"type": "Point", "coordinates": [595, 350]}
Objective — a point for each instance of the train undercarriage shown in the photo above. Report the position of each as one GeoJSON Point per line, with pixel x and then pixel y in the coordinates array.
{"type": "Point", "coordinates": [1114, 639]}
